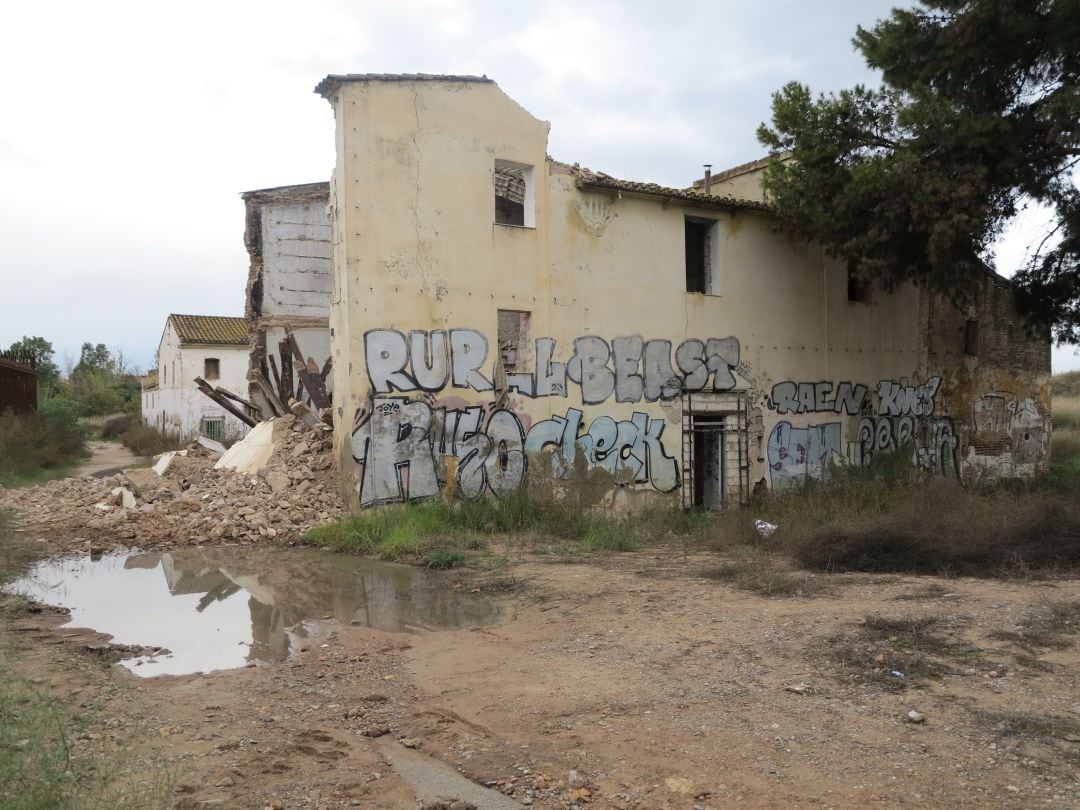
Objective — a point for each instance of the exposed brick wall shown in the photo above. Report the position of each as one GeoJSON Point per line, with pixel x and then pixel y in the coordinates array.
{"type": "Point", "coordinates": [999, 396]}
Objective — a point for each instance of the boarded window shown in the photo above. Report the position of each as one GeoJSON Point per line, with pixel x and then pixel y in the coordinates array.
{"type": "Point", "coordinates": [514, 194]}
{"type": "Point", "coordinates": [971, 338]}
{"type": "Point", "coordinates": [211, 368]}
{"type": "Point", "coordinates": [701, 256]}
{"type": "Point", "coordinates": [514, 338]}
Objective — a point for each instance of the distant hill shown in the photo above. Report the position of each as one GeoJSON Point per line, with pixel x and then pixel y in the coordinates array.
{"type": "Point", "coordinates": [1066, 385]}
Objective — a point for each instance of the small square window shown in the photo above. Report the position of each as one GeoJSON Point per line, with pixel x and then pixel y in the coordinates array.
{"type": "Point", "coordinates": [702, 274]}
{"type": "Point", "coordinates": [515, 198]}
{"type": "Point", "coordinates": [212, 368]}
{"type": "Point", "coordinates": [514, 338]}
{"type": "Point", "coordinates": [858, 288]}
{"type": "Point", "coordinates": [971, 338]}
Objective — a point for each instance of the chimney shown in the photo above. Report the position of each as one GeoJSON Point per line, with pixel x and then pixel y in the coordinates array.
{"type": "Point", "coordinates": [708, 177]}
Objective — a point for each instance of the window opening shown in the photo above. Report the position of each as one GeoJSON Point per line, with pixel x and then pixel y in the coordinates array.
{"type": "Point", "coordinates": [514, 194]}
{"type": "Point", "coordinates": [211, 368]}
{"type": "Point", "coordinates": [858, 289]}
{"type": "Point", "coordinates": [212, 428]}
{"type": "Point", "coordinates": [971, 338]}
{"type": "Point", "coordinates": [514, 339]}
{"type": "Point", "coordinates": [701, 256]}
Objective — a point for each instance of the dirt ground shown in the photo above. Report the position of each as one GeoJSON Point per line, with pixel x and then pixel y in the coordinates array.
{"type": "Point", "coordinates": [105, 457]}
{"type": "Point", "coordinates": [634, 680]}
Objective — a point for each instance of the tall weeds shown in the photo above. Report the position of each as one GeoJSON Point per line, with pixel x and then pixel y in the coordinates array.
{"type": "Point", "coordinates": [49, 439]}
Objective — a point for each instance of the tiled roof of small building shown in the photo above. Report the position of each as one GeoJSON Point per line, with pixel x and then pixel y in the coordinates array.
{"type": "Point", "coordinates": [588, 179]}
{"type": "Point", "coordinates": [333, 81]}
{"type": "Point", "coordinates": [150, 380]}
{"type": "Point", "coordinates": [210, 329]}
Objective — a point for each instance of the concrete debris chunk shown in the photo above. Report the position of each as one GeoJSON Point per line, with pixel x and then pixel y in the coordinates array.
{"type": "Point", "coordinates": [251, 454]}
{"type": "Point", "coordinates": [165, 460]}
{"type": "Point", "coordinates": [211, 445]}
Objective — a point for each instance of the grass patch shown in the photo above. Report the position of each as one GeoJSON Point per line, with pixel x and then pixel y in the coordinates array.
{"type": "Point", "coordinates": [37, 446]}
{"type": "Point", "coordinates": [896, 653]}
{"type": "Point", "coordinates": [40, 766]}
{"type": "Point", "coordinates": [1047, 625]}
{"type": "Point", "coordinates": [435, 531]}
{"type": "Point", "coordinates": [1065, 385]}
{"type": "Point", "coordinates": [441, 558]}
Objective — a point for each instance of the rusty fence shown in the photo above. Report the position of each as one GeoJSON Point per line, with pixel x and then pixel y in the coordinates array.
{"type": "Point", "coordinates": [18, 382]}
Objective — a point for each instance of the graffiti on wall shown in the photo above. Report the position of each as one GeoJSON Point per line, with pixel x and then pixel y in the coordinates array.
{"type": "Point", "coordinates": [817, 397]}
{"type": "Point", "coordinates": [796, 454]}
{"type": "Point", "coordinates": [631, 368]}
{"type": "Point", "coordinates": [1008, 426]}
{"type": "Point", "coordinates": [403, 447]}
{"type": "Point", "coordinates": [932, 441]}
{"type": "Point", "coordinates": [893, 417]}
{"type": "Point", "coordinates": [893, 398]}
{"type": "Point", "coordinates": [409, 448]}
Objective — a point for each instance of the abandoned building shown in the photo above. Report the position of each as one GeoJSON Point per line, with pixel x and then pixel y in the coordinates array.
{"type": "Point", "coordinates": [287, 235]}
{"type": "Point", "coordinates": [501, 320]}
{"type": "Point", "coordinates": [208, 347]}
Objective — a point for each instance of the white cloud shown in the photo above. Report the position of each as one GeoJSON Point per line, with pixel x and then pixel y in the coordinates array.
{"type": "Point", "coordinates": [130, 128]}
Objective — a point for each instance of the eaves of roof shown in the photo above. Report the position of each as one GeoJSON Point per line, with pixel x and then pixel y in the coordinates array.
{"type": "Point", "coordinates": [598, 181]}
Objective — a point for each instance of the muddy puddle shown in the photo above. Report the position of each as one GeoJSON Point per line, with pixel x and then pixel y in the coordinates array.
{"type": "Point", "coordinates": [218, 609]}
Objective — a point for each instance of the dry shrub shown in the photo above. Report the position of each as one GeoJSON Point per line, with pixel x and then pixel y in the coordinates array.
{"type": "Point", "coordinates": [764, 573]}
{"type": "Point", "coordinates": [1048, 624]}
{"type": "Point", "coordinates": [942, 528]}
{"type": "Point", "coordinates": [114, 428]}
{"type": "Point", "coordinates": [895, 653]}
{"type": "Point", "coordinates": [143, 440]}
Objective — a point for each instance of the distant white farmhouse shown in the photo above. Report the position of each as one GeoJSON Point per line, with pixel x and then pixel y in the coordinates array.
{"type": "Point", "coordinates": [208, 346]}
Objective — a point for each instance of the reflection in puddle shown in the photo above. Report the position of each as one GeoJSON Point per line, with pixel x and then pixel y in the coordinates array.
{"type": "Point", "coordinates": [221, 608]}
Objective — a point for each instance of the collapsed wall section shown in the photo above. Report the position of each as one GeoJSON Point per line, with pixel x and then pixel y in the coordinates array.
{"type": "Point", "coordinates": [287, 235]}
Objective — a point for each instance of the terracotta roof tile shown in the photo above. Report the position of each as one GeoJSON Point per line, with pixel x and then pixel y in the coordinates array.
{"type": "Point", "coordinates": [587, 179]}
{"type": "Point", "coordinates": [210, 329]}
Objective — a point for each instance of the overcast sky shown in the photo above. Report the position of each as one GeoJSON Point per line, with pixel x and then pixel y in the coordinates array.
{"type": "Point", "coordinates": [130, 129]}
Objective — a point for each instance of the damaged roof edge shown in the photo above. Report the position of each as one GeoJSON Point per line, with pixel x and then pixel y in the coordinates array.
{"type": "Point", "coordinates": [598, 181]}
{"type": "Point", "coordinates": [332, 82]}
{"type": "Point", "coordinates": [277, 192]}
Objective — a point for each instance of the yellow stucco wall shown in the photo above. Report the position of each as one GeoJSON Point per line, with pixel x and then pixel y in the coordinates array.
{"type": "Point", "coordinates": [416, 249]}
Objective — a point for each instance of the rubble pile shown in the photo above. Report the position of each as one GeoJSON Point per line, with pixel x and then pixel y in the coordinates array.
{"type": "Point", "coordinates": [191, 502]}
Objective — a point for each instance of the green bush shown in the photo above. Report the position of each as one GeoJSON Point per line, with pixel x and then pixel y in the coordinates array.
{"type": "Point", "coordinates": [49, 439]}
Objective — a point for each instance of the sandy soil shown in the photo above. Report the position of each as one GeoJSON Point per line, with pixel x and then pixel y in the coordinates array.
{"type": "Point", "coordinates": [631, 680]}
{"type": "Point", "coordinates": [105, 457]}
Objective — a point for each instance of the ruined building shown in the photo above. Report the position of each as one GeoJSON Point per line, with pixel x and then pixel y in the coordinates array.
{"type": "Point", "coordinates": [287, 235]}
{"type": "Point", "coordinates": [501, 320]}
